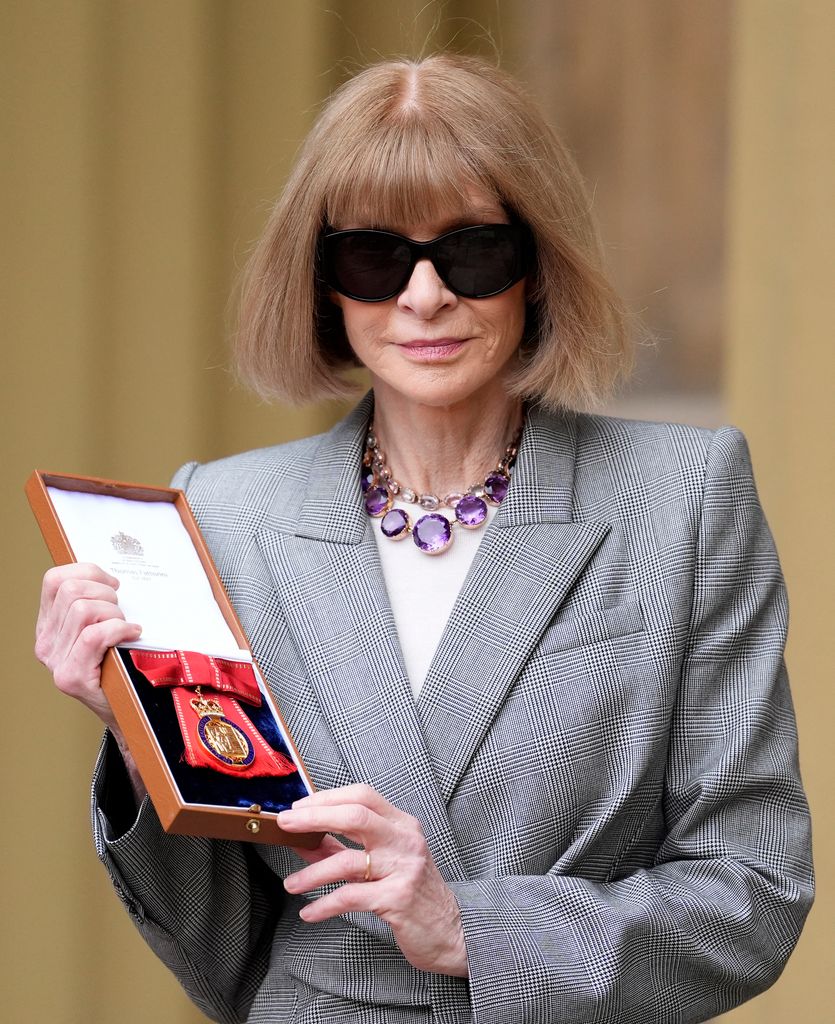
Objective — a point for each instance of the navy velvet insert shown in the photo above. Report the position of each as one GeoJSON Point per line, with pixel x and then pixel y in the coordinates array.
{"type": "Point", "coordinates": [202, 785]}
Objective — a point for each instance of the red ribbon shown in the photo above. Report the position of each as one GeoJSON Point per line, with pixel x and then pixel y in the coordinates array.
{"type": "Point", "coordinates": [224, 682]}
{"type": "Point", "coordinates": [188, 668]}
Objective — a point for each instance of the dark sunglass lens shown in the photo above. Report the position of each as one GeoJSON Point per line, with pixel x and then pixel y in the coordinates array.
{"type": "Point", "coordinates": [481, 260]}
{"type": "Point", "coordinates": [367, 265]}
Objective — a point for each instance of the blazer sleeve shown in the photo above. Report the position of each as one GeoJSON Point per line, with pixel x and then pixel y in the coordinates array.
{"type": "Point", "coordinates": [208, 908]}
{"type": "Point", "coordinates": [205, 907]}
{"type": "Point", "coordinates": [713, 921]}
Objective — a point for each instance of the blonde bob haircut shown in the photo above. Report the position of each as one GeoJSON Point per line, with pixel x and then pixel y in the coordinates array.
{"type": "Point", "coordinates": [397, 144]}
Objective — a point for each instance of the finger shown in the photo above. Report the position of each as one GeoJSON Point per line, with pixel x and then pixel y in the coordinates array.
{"type": "Point", "coordinates": [80, 617]}
{"type": "Point", "coordinates": [53, 578]}
{"type": "Point", "coordinates": [81, 614]}
{"type": "Point", "coordinates": [355, 821]}
{"type": "Point", "coordinates": [347, 898]}
{"type": "Point", "coordinates": [358, 793]}
{"type": "Point", "coordinates": [345, 866]}
{"type": "Point", "coordinates": [73, 591]}
{"type": "Point", "coordinates": [79, 673]}
{"type": "Point", "coordinates": [326, 848]}
{"type": "Point", "coordinates": [52, 620]}
{"type": "Point", "coordinates": [67, 600]}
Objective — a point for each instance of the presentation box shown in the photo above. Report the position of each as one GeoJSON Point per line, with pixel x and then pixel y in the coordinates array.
{"type": "Point", "coordinates": [148, 538]}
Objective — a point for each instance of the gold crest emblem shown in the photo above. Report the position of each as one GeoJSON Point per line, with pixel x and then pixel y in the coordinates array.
{"type": "Point", "coordinates": [126, 545]}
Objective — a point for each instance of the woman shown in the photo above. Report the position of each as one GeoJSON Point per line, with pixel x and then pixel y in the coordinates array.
{"type": "Point", "coordinates": [562, 751]}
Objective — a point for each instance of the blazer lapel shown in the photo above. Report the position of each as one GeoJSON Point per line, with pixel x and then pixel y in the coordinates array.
{"type": "Point", "coordinates": [526, 564]}
{"type": "Point", "coordinates": [330, 584]}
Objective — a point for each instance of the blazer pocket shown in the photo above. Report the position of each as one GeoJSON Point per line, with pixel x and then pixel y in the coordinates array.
{"type": "Point", "coordinates": [595, 627]}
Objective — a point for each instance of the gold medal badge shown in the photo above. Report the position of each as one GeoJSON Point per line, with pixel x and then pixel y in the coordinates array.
{"type": "Point", "coordinates": [223, 739]}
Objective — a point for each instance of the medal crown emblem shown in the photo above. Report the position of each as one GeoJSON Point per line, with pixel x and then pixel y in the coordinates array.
{"type": "Point", "coordinates": [206, 706]}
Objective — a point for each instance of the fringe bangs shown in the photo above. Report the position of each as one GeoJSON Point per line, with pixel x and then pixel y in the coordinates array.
{"type": "Point", "coordinates": [404, 175]}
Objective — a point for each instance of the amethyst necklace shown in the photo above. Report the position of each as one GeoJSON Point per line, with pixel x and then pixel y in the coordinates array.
{"type": "Point", "coordinates": [432, 533]}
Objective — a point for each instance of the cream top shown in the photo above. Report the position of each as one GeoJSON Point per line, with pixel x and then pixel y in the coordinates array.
{"type": "Point", "coordinates": [422, 588]}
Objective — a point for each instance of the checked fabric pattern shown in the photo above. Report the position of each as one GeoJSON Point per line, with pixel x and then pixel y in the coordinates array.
{"type": "Point", "coordinates": [603, 755]}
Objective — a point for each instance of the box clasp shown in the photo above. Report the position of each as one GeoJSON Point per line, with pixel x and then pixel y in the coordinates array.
{"type": "Point", "coordinates": [252, 825]}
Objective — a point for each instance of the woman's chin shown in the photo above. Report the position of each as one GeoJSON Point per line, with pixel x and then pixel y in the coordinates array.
{"type": "Point", "coordinates": [439, 387]}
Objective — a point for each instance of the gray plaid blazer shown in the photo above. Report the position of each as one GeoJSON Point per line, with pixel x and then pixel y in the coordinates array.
{"type": "Point", "coordinates": [603, 755]}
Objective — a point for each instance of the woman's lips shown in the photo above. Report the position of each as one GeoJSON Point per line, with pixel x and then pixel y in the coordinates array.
{"type": "Point", "coordinates": [431, 350]}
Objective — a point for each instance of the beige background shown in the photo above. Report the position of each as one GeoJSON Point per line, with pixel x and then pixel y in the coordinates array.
{"type": "Point", "coordinates": [142, 144]}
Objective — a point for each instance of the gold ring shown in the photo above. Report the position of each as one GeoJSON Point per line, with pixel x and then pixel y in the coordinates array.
{"type": "Point", "coordinates": [367, 876]}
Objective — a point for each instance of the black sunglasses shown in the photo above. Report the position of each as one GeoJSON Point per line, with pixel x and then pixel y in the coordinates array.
{"type": "Point", "coordinates": [474, 262]}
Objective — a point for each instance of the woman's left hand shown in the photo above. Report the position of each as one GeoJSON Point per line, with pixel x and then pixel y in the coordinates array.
{"type": "Point", "coordinates": [394, 876]}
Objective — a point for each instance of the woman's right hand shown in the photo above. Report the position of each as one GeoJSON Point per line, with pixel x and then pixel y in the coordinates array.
{"type": "Point", "coordinates": [79, 619]}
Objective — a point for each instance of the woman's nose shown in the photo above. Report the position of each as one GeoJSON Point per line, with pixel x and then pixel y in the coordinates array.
{"type": "Point", "coordinates": [425, 293]}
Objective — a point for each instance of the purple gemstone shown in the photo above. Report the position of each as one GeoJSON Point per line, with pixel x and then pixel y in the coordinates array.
{"type": "Point", "coordinates": [395, 524]}
{"type": "Point", "coordinates": [495, 488]}
{"type": "Point", "coordinates": [471, 511]}
{"type": "Point", "coordinates": [432, 533]}
{"type": "Point", "coordinates": [377, 500]}
{"type": "Point", "coordinates": [366, 478]}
